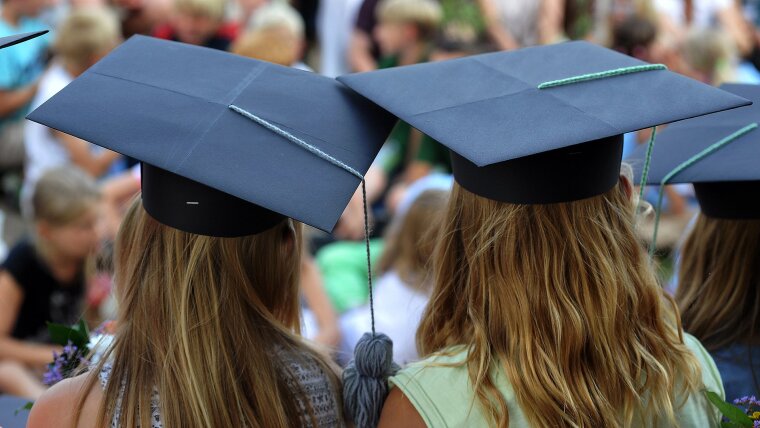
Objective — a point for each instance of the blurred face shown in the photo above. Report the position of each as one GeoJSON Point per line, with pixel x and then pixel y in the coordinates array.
{"type": "Point", "coordinates": [194, 28]}
{"type": "Point", "coordinates": [75, 240]}
{"type": "Point", "coordinates": [393, 37]}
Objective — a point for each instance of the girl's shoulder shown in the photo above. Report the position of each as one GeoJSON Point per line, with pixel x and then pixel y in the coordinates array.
{"type": "Point", "coordinates": [318, 381]}
{"type": "Point", "coordinates": [20, 255]}
{"type": "Point", "coordinates": [439, 388]}
{"type": "Point", "coordinates": [55, 407]}
{"type": "Point", "coordinates": [25, 266]}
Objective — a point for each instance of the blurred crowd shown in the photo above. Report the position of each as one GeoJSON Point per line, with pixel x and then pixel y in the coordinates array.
{"type": "Point", "coordinates": [62, 199]}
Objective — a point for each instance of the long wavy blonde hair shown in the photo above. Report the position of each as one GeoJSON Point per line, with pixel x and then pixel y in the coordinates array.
{"type": "Point", "coordinates": [201, 320]}
{"type": "Point", "coordinates": [719, 282]}
{"type": "Point", "coordinates": [562, 298]}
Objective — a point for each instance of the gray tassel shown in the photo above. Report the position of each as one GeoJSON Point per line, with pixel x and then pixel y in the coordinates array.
{"type": "Point", "coordinates": [365, 379]}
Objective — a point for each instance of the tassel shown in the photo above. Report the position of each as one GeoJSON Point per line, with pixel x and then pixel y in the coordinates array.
{"type": "Point", "coordinates": [365, 379]}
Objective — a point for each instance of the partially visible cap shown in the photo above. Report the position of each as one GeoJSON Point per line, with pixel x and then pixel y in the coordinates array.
{"type": "Point", "coordinates": [727, 179]}
{"type": "Point", "coordinates": [229, 145]}
{"type": "Point", "coordinates": [15, 39]}
{"type": "Point", "coordinates": [542, 124]}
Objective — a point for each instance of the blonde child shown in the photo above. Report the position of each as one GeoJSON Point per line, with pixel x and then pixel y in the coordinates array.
{"type": "Point", "coordinates": [84, 37]}
{"type": "Point", "coordinates": [275, 34]}
{"type": "Point", "coordinates": [199, 22]}
{"type": "Point", "coordinates": [43, 280]}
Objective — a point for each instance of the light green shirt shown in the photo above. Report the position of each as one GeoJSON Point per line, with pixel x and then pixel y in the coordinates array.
{"type": "Point", "coordinates": [443, 396]}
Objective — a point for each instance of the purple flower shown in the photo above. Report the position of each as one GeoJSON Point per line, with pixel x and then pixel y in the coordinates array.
{"type": "Point", "coordinates": [756, 424]}
{"type": "Point", "coordinates": [63, 365]}
{"type": "Point", "coordinates": [749, 401]}
{"type": "Point", "coordinates": [54, 373]}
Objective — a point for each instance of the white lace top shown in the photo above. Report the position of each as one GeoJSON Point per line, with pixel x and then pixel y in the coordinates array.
{"type": "Point", "coordinates": [311, 378]}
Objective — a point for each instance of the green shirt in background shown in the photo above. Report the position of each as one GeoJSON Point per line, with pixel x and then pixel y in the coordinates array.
{"type": "Point", "coordinates": [343, 265]}
{"type": "Point", "coordinates": [443, 396]}
{"type": "Point", "coordinates": [394, 154]}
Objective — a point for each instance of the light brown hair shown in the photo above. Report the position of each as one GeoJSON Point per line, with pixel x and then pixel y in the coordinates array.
{"type": "Point", "coordinates": [202, 320]}
{"type": "Point", "coordinates": [425, 14]}
{"type": "Point", "coordinates": [86, 34]}
{"type": "Point", "coordinates": [276, 44]}
{"type": "Point", "coordinates": [719, 281]}
{"type": "Point", "coordinates": [410, 241]}
{"type": "Point", "coordinates": [62, 195]}
{"type": "Point", "coordinates": [562, 298]}
{"type": "Point", "coordinates": [213, 9]}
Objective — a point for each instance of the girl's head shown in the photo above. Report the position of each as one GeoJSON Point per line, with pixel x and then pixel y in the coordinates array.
{"type": "Point", "coordinates": [202, 319]}
{"type": "Point", "coordinates": [196, 21]}
{"type": "Point", "coordinates": [65, 205]}
{"type": "Point", "coordinates": [404, 23]}
{"type": "Point", "coordinates": [719, 281]}
{"type": "Point", "coordinates": [410, 241]}
{"type": "Point", "coordinates": [86, 36]}
{"type": "Point", "coordinates": [275, 34]}
{"type": "Point", "coordinates": [562, 296]}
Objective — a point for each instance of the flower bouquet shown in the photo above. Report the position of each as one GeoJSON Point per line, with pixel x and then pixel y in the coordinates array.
{"type": "Point", "coordinates": [744, 412]}
{"type": "Point", "coordinates": [79, 351]}
{"type": "Point", "coordinates": [75, 341]}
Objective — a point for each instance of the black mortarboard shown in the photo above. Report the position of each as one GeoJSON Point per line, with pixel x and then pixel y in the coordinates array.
{"type": "Point", "coordinates": [8, 41]}
{"type": "Point", "coordinates": [538, 125]}
{"type": "Point", "coordinates": [229, 144]}
{"type": "Point", "coordinates": [718, 153]}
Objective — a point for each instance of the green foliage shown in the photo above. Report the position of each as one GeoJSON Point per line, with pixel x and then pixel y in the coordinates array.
{"type": "Point", "coordinates": [78, 334]}
{"type": "Point", "coordinates": [27, 407]}
{"type": "Point", "coordinates": [736, 416]}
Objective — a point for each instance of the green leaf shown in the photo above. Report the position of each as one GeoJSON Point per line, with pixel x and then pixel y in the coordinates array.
{"type": "Point", "coordinates": [61, 335]}
{"type": "Point", "coordinates": [27, 407]}
{"type": "Point", "coordinates": [82, 327]}
{"type": "Point", "coordinates": [734, 414]}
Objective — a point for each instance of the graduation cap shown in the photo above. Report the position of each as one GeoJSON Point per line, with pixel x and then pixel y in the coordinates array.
{"type": "Point", "coordinates": [542, 124]}
{"type": "Point", "coordinates": [229, 145]}
{"type": "Point", "coordinates": [8, 41]}
{"type": "Point", "coordinates": [718, 153]}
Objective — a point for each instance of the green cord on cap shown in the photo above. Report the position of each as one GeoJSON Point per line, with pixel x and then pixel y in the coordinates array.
{"type": "Point", "coordinates": [686, 164]}
{"type": "Point", "coordinates": [647, 162]}
{"type": "Point", "coordinates": [602, 75]}
{"type": "Point", "coordinates": [612, 73]}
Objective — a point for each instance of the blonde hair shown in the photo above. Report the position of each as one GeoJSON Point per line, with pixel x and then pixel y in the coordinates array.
{"type": "Point", "coordinates": [62, 195]}
{"type": "Point", "coordinates": [708, 51]}
{"type": "Point", "coordinates": [411, 239]}
{"type": "Point", "coordinates": [213, 9]}
{"type": "Point", "coordinates": [562, 298]}
{"type": "Point", "coordinates": [202, 320]}
{"type": "Point", "coordinates": [425, 14]}
{"type": "Point", "coordinates": [85, 34]}
{"type": "Point", "coordinates": [275, 34]}
{"type": "Point", "coordinates": [277, 45]}
{"type": "Point", "coordinates": [278, 14]}
{"type": "Point", "coordinates": [719, 281]}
